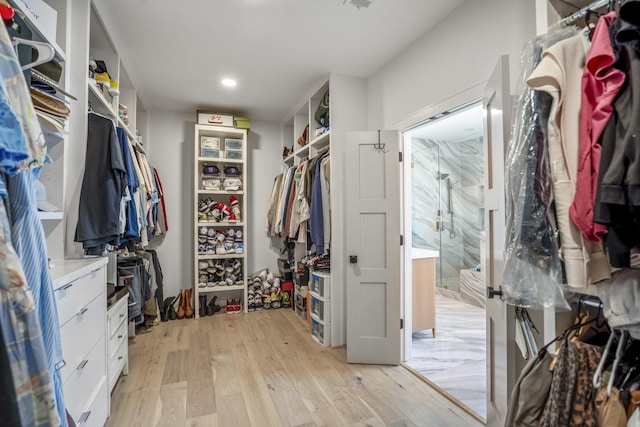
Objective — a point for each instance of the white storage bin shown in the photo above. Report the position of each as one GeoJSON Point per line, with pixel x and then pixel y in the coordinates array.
{"type": "Point", "coordinates": [211, 153]}
{"type": "Point", "coordinates": [320, 308]}
{"type": "Point", "coordinates": [233, 154]}
{"type": "Point", "coordinates": [232, 144]}
{"type": "Point", "coordinates": [210, 142]}
{"type": "Point", "coordinates": [321, 285]}
{"type": "Point", "coordinates": [321, 332]}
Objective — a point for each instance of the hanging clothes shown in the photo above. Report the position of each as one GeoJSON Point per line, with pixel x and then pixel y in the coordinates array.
{"type": "Point", "coordinates": [559, 74]}
{"type": "Point", "coordinates": [570, 401]}
{"type": "Point", "coordinates": [103, 186]}
{"type": "Point", "coordinates": [601, 83]}
{"type": "Point", "coordinates": [132, 230]}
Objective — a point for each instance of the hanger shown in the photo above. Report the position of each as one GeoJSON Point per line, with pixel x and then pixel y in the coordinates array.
{"type": "Point", "coordinates": [616, 362]}
{"type": "Point", "coordinates": [45, 51]}
{"type": "Point", "coordinates": [597, 376]}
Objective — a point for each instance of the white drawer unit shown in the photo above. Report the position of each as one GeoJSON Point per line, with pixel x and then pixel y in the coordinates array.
{"type": "Point", "coordinates": [80, 333]}
{"type": "Point", "coordinates": [321, 332]}
{"type": "Point", "coordinates": [118, 350]}
{"type": "Point", "coordinates": [80, 290]}
{"type": "Point", "coordinates": [320, 309]}
{"type": "Point", "coordinates": [320, 284]}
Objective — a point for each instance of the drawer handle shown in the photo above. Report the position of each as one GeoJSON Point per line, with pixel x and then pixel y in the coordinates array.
{"type": "Point", "coordinates": [121, 316]}
{"type": "Point", "coordinates": [82, 364]}
{"type": "Point", "coordinates": [120, 357]}
{"type": "Point", "coordinates": [84, 417]}
{"type": "Point", "coordinates": [61, 365]}
{"type": "Point", "coordinates": [120, 337]}
{"type": "Point", "coordinates": [83, 311]}
{"type": "Point", "coordinates": [67, 286]}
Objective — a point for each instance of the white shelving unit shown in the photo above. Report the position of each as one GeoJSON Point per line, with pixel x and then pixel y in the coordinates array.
{"type": "Point", "coordinates": [208, 222]}
{"type": "Point", "coordinates": [347, 106]}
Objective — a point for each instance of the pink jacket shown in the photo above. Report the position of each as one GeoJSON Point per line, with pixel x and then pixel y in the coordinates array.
{"type": "Point", "coordinates": [601, 83]}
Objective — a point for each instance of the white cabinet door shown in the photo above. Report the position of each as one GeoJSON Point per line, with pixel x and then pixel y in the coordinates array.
{"type": "Point", "coordinates": [373, 247]}
{"type": "Point", "coordinates": [500, 320]}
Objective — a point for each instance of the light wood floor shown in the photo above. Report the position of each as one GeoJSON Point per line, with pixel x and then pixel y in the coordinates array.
{"type": "Point", "coordinates": [263, 369]}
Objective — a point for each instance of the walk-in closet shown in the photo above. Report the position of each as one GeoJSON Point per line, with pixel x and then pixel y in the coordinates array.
{"type": "Point", "coordinates": [319, 213]}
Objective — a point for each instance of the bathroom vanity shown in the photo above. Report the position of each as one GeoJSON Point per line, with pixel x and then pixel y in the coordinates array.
{"type": "Point", "coordinates": [423, 289]}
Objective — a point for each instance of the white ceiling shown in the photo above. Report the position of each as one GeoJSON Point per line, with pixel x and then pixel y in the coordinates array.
{"type": "Point", "coordinates": [176, 53]}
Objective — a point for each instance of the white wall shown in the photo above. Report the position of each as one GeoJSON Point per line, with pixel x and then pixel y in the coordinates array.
{"type": "Point", "coordinates": [170, 142]}
{"type": "Point", "coordinates": [457, 54]}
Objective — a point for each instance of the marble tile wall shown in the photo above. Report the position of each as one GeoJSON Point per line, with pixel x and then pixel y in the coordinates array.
{"type": "Point", "coordinates": [459, 242]}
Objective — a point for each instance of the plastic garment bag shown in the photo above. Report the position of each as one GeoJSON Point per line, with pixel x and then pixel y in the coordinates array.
{"type": "Point", "coordinates": [533, 271]}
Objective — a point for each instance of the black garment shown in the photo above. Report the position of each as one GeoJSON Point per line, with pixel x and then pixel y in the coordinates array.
{"type": "Point", "coordinates": [103, 186]}
{"type": "Point", "coordinates": [9, 414]}
{"type": "Point", "coordinates": [159, 294]}
{"type": "Point", "coordinates": [618, 196]}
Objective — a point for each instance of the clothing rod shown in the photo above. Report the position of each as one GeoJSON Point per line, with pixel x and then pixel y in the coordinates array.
{"type": "Point", "coordinates": [582, 12]}
{"type": "Point", "coordinates": [587, 302]}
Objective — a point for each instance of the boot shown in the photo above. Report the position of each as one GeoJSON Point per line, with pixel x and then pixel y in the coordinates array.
{"type": "Point", "coordinates": [181, 307]}
{"type": "Point", "coordinates": [188, 310]}
{"type": "Point", "coordinates": [203, 305]}
{"type": "Point", "coordinates": [164, 316]}
{"type": "Point", "coordinates": [212, 307]}
{"type": "Point", "coordinates": [172, 308]}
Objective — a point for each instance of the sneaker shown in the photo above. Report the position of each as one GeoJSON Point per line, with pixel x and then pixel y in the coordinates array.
{"type": "Point", "coordinates": [211, 280]}
{"type": "Point", "coordinates": [202, 280]}
{"type": "Point", "coordinates": [233, 200]}
{"type": "Point", "coordinates": [276, 282]}
{"type": "Point", "coordinates": [231, 233]}
{"type": "Point", "coordinates": [237, 307]}
{"type": "Point", "coordinates": [220, 250]}
{"type": "Point", "coordinates": [202, 248]}
{"type": "Point", "coordinates": [238, 236]}
{"type": "Point", "coordinates": [229, 282]}
{"type": "Point", "coordinates": [203, 265]}
{"type": "Point", "coordinates": [236, 264]}
{"type": "Point", "coordinates": [270, 277]}
{"type": "Point", "coordinates": [211, 232]}
{"type": "Point", "coordinates": [210, 249]}
{"type": "Point", "coordinates": [203, 231]}
{"type": "Point", "coordinates": [238, 248]}
{"type": "Point", "coordinates": [286, 299]}
{"type": "Point", "coordinates": [257, 302]}
{"type": "Point", "coordinates": [229, 309]}
{"type": "Point", "coordinates": [251, 302]}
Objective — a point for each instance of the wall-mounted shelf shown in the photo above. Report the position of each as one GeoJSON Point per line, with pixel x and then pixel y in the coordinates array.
{"type": "Point", "coordinates": [50, 216]}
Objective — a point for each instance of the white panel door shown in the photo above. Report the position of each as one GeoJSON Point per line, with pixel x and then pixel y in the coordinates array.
{"type": "Point", "coordinates": [500, 320]}
{"type": "Point", "coordinates": [373, 247]}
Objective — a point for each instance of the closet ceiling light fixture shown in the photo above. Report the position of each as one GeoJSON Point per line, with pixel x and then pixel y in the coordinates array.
{"type": "Point", "coordinates": [229, 82]}
{"type": "Point", "coordinates": [359, 3]}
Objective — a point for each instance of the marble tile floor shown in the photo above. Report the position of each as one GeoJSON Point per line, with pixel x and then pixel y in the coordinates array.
{"type": "Point", "coordinates": [455, 360]}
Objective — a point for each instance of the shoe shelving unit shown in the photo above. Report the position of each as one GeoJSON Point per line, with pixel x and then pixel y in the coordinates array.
{"type": "Point", "coordinates": [220, 207]}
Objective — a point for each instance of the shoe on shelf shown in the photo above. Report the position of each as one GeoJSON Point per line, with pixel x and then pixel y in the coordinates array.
{"type": "Point", "coordinates": [212, 308]}
{"type": "Point", "coordinates": [229, 309]}
{"type": "Point", "coordinates": [238, 236]}
{"type": "Point", "coordinates": [238, 248]}
{"type": "Point", "coordinates": [202, 312]}
{"type": "Point", "coordinates": [270, 277]}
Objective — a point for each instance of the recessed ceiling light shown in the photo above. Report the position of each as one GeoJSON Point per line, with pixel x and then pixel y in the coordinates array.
{"type": "Point", "coordinates": [229, 82]}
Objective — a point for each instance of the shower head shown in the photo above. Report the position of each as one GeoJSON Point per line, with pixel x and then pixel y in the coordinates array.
{"type": "Point", "coordinates": [440, 176]}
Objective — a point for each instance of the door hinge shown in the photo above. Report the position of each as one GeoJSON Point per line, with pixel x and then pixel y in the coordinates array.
{"type": "Point", "coordinates": [401, 323]}
{"type": "Point", "coordinates": [400, 155]}
{"type": "Point", "coordinates": [401, 240]}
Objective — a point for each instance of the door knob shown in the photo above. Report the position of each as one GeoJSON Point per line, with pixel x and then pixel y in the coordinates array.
{"type": "Point", "coordinates": [353, 259]}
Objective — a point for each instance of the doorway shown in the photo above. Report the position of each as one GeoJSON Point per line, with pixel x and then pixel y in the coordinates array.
{"type": "Point", "coordinates": [448, 340]}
